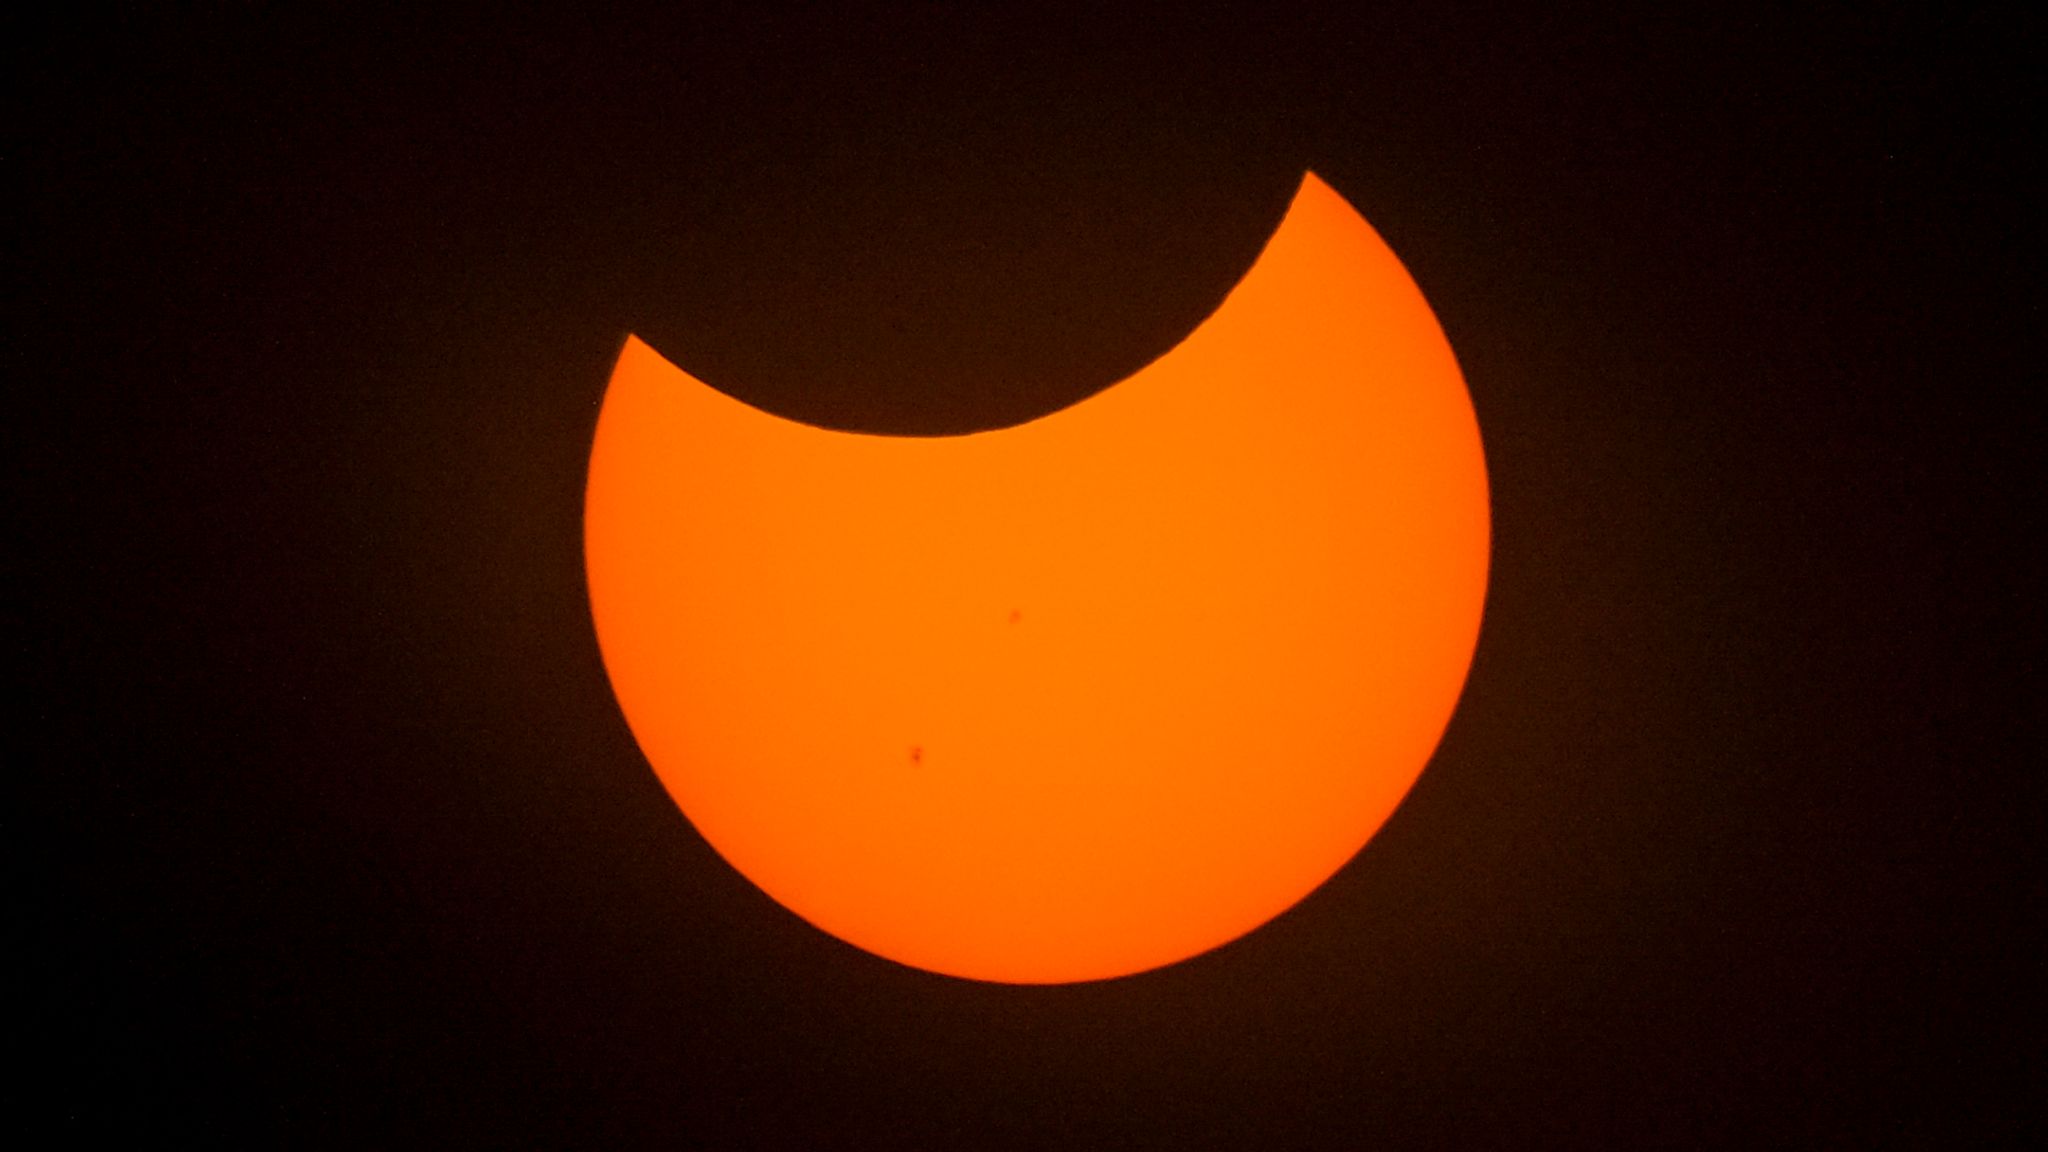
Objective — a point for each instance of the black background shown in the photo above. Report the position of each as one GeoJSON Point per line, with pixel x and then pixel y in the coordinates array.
{"type": "Point", "coordinates": [329, 830]}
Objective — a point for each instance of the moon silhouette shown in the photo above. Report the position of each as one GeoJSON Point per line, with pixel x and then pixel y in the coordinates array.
{"type": "Point", "coordinates": [1072, 699]}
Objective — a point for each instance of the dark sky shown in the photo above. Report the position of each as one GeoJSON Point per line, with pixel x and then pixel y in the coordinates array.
{"type": "Point", "coordinates": [331, 832]}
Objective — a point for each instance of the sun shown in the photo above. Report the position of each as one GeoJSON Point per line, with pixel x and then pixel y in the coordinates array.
{"type": "Point", "coordinates": [1073, 699]}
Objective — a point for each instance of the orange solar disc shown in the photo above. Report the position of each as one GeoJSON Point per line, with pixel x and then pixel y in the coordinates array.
{"type": "Point", "coordinates": [1076, 698]}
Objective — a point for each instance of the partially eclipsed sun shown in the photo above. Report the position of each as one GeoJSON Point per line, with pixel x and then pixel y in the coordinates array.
{"type": "Point", "coordinates": [1072, 699]}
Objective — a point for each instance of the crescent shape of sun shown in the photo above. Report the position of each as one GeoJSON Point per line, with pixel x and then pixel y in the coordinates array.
{"type": "Point", "coordinates": [1076, 698]}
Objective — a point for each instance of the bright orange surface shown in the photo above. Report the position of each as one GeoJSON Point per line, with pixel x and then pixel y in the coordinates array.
{"type": "Point", "coordinates": [1076, 698]}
